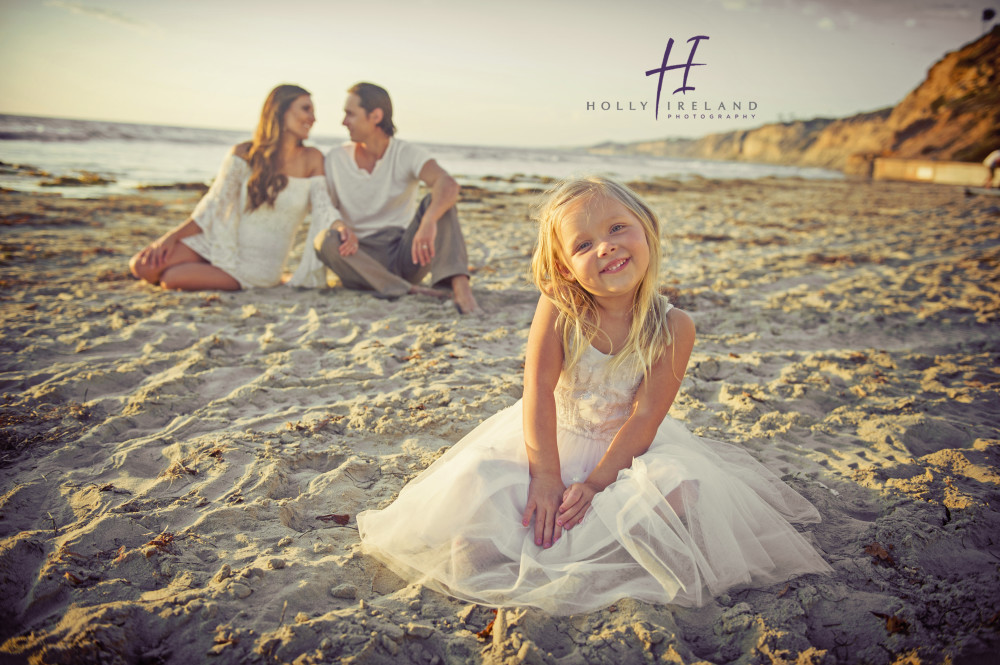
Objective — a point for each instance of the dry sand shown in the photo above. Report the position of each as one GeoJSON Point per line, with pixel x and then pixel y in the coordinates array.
{"type": "Point", "coordinates": [176, 467]}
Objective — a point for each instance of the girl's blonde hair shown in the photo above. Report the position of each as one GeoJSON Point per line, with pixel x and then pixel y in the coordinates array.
{"type": "Point", "coordinates": [579, 319]}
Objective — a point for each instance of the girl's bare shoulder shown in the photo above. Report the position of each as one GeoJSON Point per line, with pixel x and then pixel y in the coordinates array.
{"type": "Point", "coordinates": [682, 327]}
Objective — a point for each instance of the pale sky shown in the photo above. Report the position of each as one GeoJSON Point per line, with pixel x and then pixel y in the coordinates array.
{"type": "Point", "coordinates": [513, 73]}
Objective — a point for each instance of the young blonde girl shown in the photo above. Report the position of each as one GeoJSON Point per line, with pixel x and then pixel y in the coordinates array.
{"type": "Point", "coordinates": [585, 491]}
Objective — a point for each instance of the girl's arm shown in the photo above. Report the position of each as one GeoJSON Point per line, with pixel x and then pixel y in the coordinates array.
{"type": "Point", "coordinates": [655, 396]}
{"type": "Point", "coordinates": [542, 365]}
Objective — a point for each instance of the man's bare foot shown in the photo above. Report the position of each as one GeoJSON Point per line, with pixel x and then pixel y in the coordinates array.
{"type": "Point", "coordinates": [417, 290]}
{"type": "Point", "coordinates": [464, 299]}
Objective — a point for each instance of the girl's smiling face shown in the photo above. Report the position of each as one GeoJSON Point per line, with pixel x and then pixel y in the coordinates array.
{"type": "Point", "coordinates": [603, 247]}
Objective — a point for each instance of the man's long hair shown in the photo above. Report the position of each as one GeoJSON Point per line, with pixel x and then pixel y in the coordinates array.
{"type": "Point", "coordinates": [375, 97]}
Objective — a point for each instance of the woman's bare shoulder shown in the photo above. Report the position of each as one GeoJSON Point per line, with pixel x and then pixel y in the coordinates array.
{"type": "Point", "coordinates": [315, 162]}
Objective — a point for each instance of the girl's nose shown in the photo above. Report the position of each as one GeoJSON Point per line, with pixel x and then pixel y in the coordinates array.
{"type": "Point", "coordinates": [606, 247]}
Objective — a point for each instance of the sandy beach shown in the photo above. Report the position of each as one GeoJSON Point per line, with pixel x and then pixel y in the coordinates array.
{"type": "Point", "coordinates": [180, 472]}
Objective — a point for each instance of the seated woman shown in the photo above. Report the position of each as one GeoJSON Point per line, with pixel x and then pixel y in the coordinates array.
{"type": "Point", "coordinates": [241, 232]}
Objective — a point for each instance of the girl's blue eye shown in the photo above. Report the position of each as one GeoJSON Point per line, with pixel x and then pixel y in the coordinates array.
{"type": "Point", "coordinates": [582, 246]}
{"type": "Point", "coordinates": [617, 227]}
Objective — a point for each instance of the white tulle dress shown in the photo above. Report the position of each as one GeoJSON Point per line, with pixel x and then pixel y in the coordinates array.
{"type": "Point", "coordinates": [253, 246]}
{"type": "Point", "coordinates": [690, 515]}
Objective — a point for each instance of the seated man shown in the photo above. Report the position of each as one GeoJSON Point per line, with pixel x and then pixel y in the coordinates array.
{"type": "Point", "coordinates": [373, 181]}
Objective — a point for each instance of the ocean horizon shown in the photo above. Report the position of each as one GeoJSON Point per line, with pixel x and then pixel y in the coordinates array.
{"type": "Point", "coordinates": [131, 155]}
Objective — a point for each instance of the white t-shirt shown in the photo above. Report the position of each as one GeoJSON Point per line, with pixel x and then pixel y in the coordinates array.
{"type": "Point", "coordinates": [385, 197]}
{"type": "Point", "coordinates": [992, 159]}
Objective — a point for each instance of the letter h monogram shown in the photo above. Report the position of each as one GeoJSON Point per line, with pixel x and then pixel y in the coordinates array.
{"type": "Point", "coordinates": [686, 66]}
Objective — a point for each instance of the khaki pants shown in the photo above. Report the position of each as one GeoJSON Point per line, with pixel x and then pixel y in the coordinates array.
{"type": "Point", "coordinates": [384, 263]}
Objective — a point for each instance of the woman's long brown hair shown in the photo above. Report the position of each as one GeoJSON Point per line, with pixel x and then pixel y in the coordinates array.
{"type": "Point", "coordinates": [265, 180]}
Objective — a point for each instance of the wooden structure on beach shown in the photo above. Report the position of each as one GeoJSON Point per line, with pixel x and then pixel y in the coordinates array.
{"type": "Point", "coordinates": [929, 170]}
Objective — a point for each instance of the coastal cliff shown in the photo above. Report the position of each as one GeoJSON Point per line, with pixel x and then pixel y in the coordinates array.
{"type": "Point", "coordinates": [953, 115]}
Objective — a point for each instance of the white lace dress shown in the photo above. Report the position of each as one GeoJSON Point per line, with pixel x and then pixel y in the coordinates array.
{"type": "Point", "coordinates": [252, 246]}
{"type": "Point", "coordinates": [457, 526]}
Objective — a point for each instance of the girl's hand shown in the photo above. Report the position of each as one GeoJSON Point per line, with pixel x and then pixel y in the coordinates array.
{"type": "Point", "coordinates": [544, 495]}
{"type": "Point", "coordinates": [576, 502]}
{"type": "Point", "coordinates": [348, 240]}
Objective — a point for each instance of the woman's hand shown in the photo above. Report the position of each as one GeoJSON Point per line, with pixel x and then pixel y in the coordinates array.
{"type": "Point", "coordinates": [155, 253]}
{"type": "Point", "coordinates": [544, 495]}
{"type": "Point", "coordinates": [348, 240]}
{"type": "Point", "coordinates": [575, 503]}
{"type": "Point", "coordinates": [423, 243]}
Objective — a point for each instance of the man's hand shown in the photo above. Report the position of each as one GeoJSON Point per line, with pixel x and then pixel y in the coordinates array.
{"type": "Point", "coordinates": [544, 495]}
{"type": "Point", "coordinates": [348, 240]}
{"type": "Point", "coordinates": [423, 243]}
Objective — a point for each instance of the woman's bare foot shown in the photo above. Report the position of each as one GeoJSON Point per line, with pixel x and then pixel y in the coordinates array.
{"type": "Point", "coordinates": [464, 299]}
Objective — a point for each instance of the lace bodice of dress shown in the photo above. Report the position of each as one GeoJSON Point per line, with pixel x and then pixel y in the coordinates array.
{"type": "Point", "coordinates": [252, 245]}
{"type": "Point", "coordinates": [591, 400]}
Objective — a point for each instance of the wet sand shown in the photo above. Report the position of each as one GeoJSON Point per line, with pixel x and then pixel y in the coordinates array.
{"type": "Point", "coordinates": [181, 471]}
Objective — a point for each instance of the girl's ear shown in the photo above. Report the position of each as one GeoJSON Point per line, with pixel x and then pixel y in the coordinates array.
{"type": "Point", "coordinates": [564, 271]}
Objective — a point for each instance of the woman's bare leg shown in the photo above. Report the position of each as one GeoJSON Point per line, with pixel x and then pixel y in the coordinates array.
{"type": "Point", "coordinates": [200, 276]}
{"type": "Point", "coordinates": [143, 267]}
{"type": "Point", "coordinates": [184, 269]}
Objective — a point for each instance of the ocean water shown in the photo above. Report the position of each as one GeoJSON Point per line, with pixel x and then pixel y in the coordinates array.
{"type": "Point", "coordinates": [130, 155]}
